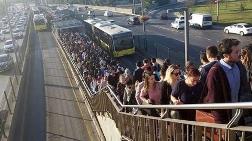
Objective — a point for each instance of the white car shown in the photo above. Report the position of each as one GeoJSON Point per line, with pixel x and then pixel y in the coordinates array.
{"type": "Point", "coordinates": [6, 62]}
{"type": "Point", "coordinates": [9, 46]}
{"type": "Point", "coordinates": [178, 24]}
{"type": "Point", "coordinates": [180, 18]}
{"type": "Point", "coordinates": [108, 13]}
{"type": "Point", "coordinates": [240, 28]}
{"type": "Point", "coordinates": [91, 13]}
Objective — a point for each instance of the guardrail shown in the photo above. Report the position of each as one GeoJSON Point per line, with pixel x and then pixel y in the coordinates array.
{"type": "Point", "coordinates": [9, 97]}
{"type": "Point", "coordinates": [146, 128]}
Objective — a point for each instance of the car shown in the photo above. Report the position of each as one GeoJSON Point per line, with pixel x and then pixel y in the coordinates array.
{"type": "Point", "coordinates": [108, 13]}
{"type": "Point", "coordinates": [9, 46]}
{"type": "Point", "coordinates": [240, 28]}
{"type": "Point", "coordinates": [91, 13]}
{"type": "Point", "coordinates": [134, 20]}
{"type": "Point", "coordinates": [17, 33]}
{"type": "Point", "coordinates": [6, 61]}
{"type": "Point", "coordinates": [178, 24]}
{"type": "Point", "coordinates": [164, 16]}
{"type": "Point", "coordinates": [6, 31]}
{"type": "Point", "coordinates": [180, 18]}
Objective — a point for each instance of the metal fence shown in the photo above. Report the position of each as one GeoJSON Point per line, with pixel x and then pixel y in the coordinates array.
{"type": "Point", "coordinates": [9, 96]}
{"type": "Point", "coordinates": [147, 128]}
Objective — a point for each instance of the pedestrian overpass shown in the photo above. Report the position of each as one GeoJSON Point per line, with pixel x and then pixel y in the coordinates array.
{"type": "Point", "coordinates": [106, 108]}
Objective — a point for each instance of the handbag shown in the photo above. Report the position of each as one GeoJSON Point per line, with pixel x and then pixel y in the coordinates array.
{"type": "Point", "coordinates": [203, 116]}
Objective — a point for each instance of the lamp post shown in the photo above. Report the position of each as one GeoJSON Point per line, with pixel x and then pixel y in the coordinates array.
{"type": "Point", "coordinates": [186, 34]}
{"type": "Point", "coordinates": [217, 12]}
{"type": "Point", "coordinates": [143, 20]}
{"type": "Point", "coordinates": [134, 7]}
{"type": "Point", "coordinates": [186, 15]}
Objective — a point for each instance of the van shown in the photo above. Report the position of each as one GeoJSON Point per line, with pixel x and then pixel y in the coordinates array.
{"type": "Point", "coordinates": [201, 20]}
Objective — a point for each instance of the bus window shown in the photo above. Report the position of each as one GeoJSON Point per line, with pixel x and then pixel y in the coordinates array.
{"type": "Point", "coordinates": [123, 43]}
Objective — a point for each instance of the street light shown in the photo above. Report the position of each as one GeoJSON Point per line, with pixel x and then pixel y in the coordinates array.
{"type": "Point", "coordinates": [186, 34]}
{"type": "Point", "coordinates": [134, 8]}
{"type": "Point", "coordinates": [143, 19]}
{"type": "Point", "coordinates": [186, 15]}
{"type": "Point", "coordinates": [186, 29]}
{"type": "Point", "coordinates": [217, 6]}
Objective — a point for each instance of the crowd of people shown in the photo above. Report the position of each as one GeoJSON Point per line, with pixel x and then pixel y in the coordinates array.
{"type": "Point", "coordinates": [225, 76]}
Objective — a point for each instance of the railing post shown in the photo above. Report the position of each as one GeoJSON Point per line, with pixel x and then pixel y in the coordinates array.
{"type": "Point", "coordinates": [7, 101]}
{"type": "Point", "coordinates": [15, 98]}
{"type": "Point", "coordinates": [16, 78]}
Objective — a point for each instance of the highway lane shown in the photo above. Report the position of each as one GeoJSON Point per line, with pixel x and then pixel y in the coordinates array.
{"type": "Point", "coordinates": [160, 32]}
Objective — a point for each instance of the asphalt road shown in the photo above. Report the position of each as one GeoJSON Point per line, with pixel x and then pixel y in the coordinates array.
{"type": "Point", "coordinates": [30, 115]}
{"type": "Point", "coordinates": [166, 42]}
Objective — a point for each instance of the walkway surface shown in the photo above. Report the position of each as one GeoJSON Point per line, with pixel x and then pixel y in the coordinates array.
{"type": "Point", "coordinates": [64, 121]}
{"type": "Point", "coordinates": [48, 110]}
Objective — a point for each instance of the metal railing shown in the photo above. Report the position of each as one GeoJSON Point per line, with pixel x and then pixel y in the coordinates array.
{"type": "Point", "coordinates": [147, 128]}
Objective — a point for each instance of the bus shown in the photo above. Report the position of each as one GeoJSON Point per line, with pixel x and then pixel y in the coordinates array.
{"type": "Point", "coordinates": [40, 22]}
{"type": "Point", "coordinates": [89, 26]}
{"type": "Point", "coordinates": [117, 40]}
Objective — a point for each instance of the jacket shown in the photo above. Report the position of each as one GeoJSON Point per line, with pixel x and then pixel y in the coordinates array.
{"type": "Point", "coordinates": [217, 90]}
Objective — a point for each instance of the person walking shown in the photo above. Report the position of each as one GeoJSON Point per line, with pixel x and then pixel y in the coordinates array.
{"type": "Point", "coordinates": [212, 57]}
{"type": "Point", "coordinates": [246, 59]}
{"type": "Point", "coordinates": [187, 91]}
{"type": "Point", "coordinates": [226, 80]}
{"type": "Point", "coordinates": [169, 82]}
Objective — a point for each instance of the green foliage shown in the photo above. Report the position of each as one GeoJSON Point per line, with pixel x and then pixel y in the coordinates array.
{"type": "Point", "coordinates": [229, 11]}
{"type": "Point", "coordinates": [147, 3]}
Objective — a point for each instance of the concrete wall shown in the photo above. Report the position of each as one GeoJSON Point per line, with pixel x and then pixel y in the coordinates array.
{"type": "Point", "coordinates": [114, 9]}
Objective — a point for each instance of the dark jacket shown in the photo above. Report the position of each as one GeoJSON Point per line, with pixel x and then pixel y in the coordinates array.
{"type": "Point", "coordinates": [166, 90]}
{"type": "Point", "coordinates": [204, 71]}
{"type": "Point", "coordinates": [138, 75]}
{"type": "Point", "coordinates": [217, 90]}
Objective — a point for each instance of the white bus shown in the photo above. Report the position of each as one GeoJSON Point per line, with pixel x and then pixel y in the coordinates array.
{"type": "Point", "coordinates": [115, 39]}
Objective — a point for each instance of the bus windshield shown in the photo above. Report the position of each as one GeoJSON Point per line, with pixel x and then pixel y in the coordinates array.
{"type": "Point", "coordinates": [122, 43]}
{"type": "Point", "coordinates": [39, 21]}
